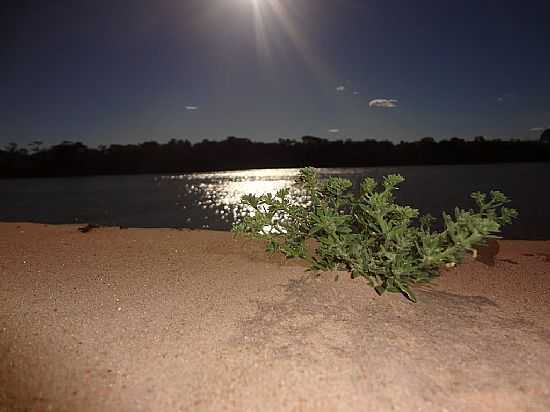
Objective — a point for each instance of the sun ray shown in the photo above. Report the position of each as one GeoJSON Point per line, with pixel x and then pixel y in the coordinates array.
{"type": "Point", "coordinates": [296, 38]}
{"type": "Point", "coordinates": [262, 44]}
{"type": "Point", "coordinates": [301, 44]}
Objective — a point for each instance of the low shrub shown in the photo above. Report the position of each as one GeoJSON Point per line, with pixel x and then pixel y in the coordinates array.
{"type": "Point", "coordinates": [368, 234]}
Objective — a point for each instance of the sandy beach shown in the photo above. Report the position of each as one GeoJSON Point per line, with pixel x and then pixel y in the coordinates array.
{"type": "Point", "coordinates": [180, 320]}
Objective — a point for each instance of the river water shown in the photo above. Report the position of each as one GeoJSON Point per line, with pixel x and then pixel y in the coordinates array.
{"type": "Point", "coordinates": [209, 200]}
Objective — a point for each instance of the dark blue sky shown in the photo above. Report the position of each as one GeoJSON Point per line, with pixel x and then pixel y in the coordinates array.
{"type": "Point", "coordinates": [116, 71]}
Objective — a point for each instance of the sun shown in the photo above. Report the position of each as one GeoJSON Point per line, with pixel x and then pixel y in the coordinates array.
{"type": "Point", "coordinates": [272, 16]}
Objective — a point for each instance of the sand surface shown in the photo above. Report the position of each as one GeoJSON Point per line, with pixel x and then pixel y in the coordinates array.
{"type": "Point", "coordinates": [167, 320]}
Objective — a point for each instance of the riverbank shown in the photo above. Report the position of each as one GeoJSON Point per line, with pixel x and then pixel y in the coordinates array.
{"type": "Point", "coordinates": [168, 320]}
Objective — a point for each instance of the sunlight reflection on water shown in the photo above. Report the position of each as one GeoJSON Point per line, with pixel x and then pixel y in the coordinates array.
{"type": "Point", "coordinates": [217, 195]}
{"type": "Point", "coordinates": [222, 191]}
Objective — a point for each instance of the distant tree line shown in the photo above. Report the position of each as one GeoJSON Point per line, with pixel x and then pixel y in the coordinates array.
{"type": "Point", "coordinates": [180, 156]}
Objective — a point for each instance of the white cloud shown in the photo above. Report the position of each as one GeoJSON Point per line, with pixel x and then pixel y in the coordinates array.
{"type": "Point", "coordinates": [334, 131]}
{"type": "Point", "coordinates": [384, 103]}
{"type": "Point", "coordinates": [340, 88]}
{"type": "Point", "coordinates": [536, 129]}
{"type": "Point", "coordinates": [506, 97]}
{"type": "Point", "coordinates": [191, 108]}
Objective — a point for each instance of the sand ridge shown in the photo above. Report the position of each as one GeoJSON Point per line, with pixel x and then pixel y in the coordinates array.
{"type": "Point", "coordinates": [168, 320]}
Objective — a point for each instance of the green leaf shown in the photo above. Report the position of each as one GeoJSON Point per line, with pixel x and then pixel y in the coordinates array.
{"type": "Point", "coordinates": [368, 234]}
{"type": "Point", "coordinates": [380, 290]}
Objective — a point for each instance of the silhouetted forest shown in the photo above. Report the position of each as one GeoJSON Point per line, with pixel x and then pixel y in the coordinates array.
{"type": "Point", "coordinates": [180, 156]}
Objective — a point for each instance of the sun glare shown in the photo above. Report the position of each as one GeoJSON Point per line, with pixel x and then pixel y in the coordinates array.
{"type": "Point", "coordinates": [277, 13]}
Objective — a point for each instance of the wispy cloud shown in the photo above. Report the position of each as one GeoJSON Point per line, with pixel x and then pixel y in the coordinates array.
{"type": "Point", "coordinates": [340, 88]}
{"type": "Point", "coordinates": [536, 129]}
{"type": "Point", "coordinates": [191, 107]}
{"type": "Point", "coordinates": [506, 97]}
{"type": "Point", "coordinates": [384, 103]}
{"type": "Point", "coordinates": [334, 131]}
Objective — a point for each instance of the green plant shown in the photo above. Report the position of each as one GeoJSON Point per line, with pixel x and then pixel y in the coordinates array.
{"type": "Point", "coordinates": [368, 234]}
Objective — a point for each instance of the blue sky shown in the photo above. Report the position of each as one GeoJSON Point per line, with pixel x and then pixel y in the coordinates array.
{"type": "Point", "coordinates": [116, 71]}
